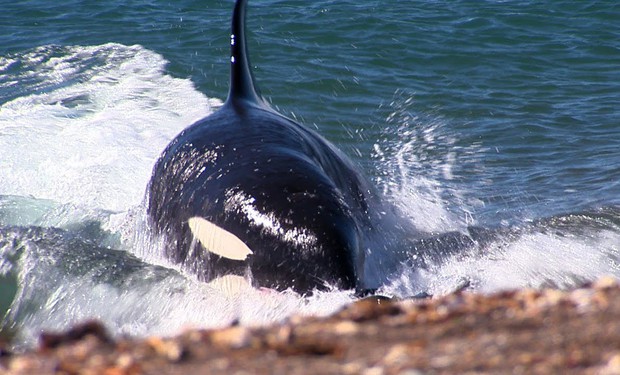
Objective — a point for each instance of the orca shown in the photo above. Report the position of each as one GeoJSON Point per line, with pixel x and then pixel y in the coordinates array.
{"type": "Point", "coordinates": [249, 192]}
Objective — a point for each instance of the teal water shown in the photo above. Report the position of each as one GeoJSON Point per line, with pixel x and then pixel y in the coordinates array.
{"type": "Point", "coordinates": [499, 114]}
{"type": "Point", "coordinates": [534, 84]}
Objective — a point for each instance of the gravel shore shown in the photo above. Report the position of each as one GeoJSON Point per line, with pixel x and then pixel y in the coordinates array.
{"type": "Point", "coordinates": [524, 331]}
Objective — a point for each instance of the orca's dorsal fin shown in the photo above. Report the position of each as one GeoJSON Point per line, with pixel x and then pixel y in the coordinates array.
{"type": "Point", "coordinates": [241, 78]}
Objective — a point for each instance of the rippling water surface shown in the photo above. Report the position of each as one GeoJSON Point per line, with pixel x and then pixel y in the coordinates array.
{"type": "Point", "coordinates": [491, 126]}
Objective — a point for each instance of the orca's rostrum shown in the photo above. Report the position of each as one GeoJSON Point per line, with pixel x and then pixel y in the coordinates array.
{"type": "Point", "coordinates": [249, 192]}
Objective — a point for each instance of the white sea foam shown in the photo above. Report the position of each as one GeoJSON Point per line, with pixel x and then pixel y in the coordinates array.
{"type": "Point", "coordinates": [92, 139]}
{"type": "Point", "coordinates": [165, 307]}
{"type": "Point", "coordinates": [532, 260]}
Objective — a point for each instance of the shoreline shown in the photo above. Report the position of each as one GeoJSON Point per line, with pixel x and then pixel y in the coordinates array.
{"type": "Point", "coordinates": [519, 331]}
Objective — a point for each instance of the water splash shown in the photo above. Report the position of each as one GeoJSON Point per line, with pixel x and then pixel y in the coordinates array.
{"type": "Point", "coordinates": [417, 155]}
{"type": "Point", "coordinates": [88, 123]}
{"type": "Point", "coordinates": [424, 173]}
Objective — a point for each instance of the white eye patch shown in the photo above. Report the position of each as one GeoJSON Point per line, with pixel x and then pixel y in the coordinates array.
{"type": "Point", "coordinates": [217, 240]}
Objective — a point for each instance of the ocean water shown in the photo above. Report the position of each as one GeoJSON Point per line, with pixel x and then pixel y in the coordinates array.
{"type": "Point", "coordinates": [492, 127]}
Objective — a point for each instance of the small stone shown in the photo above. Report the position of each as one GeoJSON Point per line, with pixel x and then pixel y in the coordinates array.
{"type": "Point", "coordinates": [612, 366]}
{"type": "Point", "coordinates": [220, 364]}
{"type": "Point", "coordinates": [284, 333]}
{"type": "Point", "coordinates": [526, 358]}
{"type": "Point", "coordinates": [124, 361]}
{"type": "Point", "coordinates": [346, 327]}
{"type": "Point", "coordinates": [352, 368]}
{"type": "Point", "coordinates": [80, 350]}
{"type": "Point", "coordinates": [397, 355]}
{"type": "Point", "coordinates": [369, 309]}
{"type": "Point", "coordinates": [97, 361]}
{"type": "Point", "coordinates": [233, 337]}
{"type": "Point", "coordinates": [376, 370]}
{"type": "Point", "coordinates": [51, 340]}
{"type": "Point", "coordinates": [411, 371]}
{"type": "Point", "coordinates": [195, 336]}
{"type": "Point", "coordinates": [582, 298]}
{"type": "Point", "coordinates": [442, 361]}
{"type": "Point", "coordinates": [606, 282]}
{"type": "Point", "coordinates": [22, 365]}
{"type": "Point", "coordinates": [169, 349]}
{"type": "Point", "coordinates": [553, 297]}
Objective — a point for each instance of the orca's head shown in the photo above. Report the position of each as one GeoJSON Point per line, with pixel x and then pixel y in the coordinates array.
{"type": "Point", "coordinates": [292, 230]}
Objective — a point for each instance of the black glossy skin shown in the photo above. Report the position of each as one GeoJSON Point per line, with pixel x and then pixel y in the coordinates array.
{"type": "Point", "coordinates": [288, 174]}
